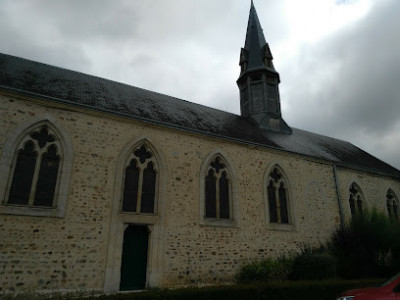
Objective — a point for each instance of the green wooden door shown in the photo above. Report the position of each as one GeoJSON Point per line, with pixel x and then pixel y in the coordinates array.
{"type": "Point", "coordinates": [134, 258]}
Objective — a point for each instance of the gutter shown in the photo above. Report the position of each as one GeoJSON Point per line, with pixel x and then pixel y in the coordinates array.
{"type": "Point", "coordinates": [338, 197]}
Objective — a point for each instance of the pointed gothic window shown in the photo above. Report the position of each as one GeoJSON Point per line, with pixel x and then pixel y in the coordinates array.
{"type": "Point", "coordinates": [36, 170]}
{"type": "Point", "coordinates": [139, 192]}
{"type": "Point", "coordinates": [217, 191]}
{"type": "Point", "coordinates": [356, 200]}
{"type": "Point", "coordinates": [392, 204]}
{"type": "Point", "coordinates": [278, 202]}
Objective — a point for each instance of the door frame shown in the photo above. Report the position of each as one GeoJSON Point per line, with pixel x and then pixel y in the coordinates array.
{"type": "Point", "coordinates": [155, 265]}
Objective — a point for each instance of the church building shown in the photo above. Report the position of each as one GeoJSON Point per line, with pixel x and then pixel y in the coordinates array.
{"type": "Point", "coordinates": [107, 187]}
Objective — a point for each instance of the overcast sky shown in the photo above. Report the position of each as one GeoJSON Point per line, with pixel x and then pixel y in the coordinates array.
{"type": "Point", "coordinates": [339, 60]}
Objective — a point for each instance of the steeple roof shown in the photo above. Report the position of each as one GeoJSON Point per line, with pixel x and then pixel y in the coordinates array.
{"type": "Point", "coordinates": [258, 80]}
{"type": "Point", "coordinates": [255, 41]}
{"type": "Point", "coordinates": [255, 36]}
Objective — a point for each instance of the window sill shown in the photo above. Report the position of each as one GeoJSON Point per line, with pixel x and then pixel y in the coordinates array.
{"type": "Point", "coordinates": [31, 211]}
{"type": "Point", "coordinates": [281, 227]}
{"type": "Point", "coordinates": [219, 223]}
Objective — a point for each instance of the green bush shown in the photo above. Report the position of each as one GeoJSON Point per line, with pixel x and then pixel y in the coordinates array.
{"type": "Point", "coordinates": [313, 266]}
{"type": "Point", "coordinates": [266, 270]}
{"type": "Point", "coordinates": [367, 247]}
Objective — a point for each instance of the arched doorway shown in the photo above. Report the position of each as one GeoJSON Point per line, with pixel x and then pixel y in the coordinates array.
{"type": "Point", "coordinates": [134, 258]}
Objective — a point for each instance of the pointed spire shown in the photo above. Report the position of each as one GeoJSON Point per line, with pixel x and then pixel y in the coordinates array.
{"type": "Point", "coordinates": [256, 52]}
{"type": "Point", "coordinates": [258, 81]}
{"type": "Point", "coordinates": [254, 36]}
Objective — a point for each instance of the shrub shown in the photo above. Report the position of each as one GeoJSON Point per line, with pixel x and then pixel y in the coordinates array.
{"type": "Point", "coordinates": [266, 270]}
{"type": "Point", "coordinates": [367, 247]}
{"type": "Point", "coordinates": [315, 265]}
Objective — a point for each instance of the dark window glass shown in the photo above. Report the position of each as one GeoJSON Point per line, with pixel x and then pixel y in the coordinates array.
{"type": "Point", "coordinates": [211, 195]}
{"type": "Point", "coordinates": [283, 204]}
{"type": "Point", "coordinates": [131, 187]}
{"type": "Point", "coordinates": [277, 198]}
{"type": "Point", "coordinates": [389, 207]}
{"type": "Point", "coordinates": [256, 78]}
{"type": "Point", "coordinates": [149, 189]}
{"type": "Point", "coordinates": [47, 179]}
{"type": "Point", "coordinates": [355, 200]}
{"type": "Point", "coordinates": [392, 205]}
{"type": "Point", "coordinates": [352, 205]}
{"type": "Point", "coordinates": [359, 205]}
{"type": "Point", "coordinates": [273, 214]}
{"type": "Point", "coordinates": [224, 196]}
{"type": "Point", "coordinates": [23, 175]}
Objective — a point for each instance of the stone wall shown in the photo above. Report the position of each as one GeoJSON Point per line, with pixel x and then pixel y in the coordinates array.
{"type": "Point", "coordinates": [374, 189]}
{"type": "Point", "coordinates": [38, 253]}
{"type": "Point", "coordinates": [82, 251]}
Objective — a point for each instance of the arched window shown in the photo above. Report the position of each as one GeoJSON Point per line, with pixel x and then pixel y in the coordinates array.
{"type": "Point", "coordinates": [36, 170]}
{"type": "Point", "coordinates": [392, 204]}
{"type": "Point", "coordinates": [278, 198]}
{"type": "Point", "coordinates": [140, 184]}
{"type": "Point", "coordinates": [356, 200]}
{"type": "Point", "coordinates": [217, 190]}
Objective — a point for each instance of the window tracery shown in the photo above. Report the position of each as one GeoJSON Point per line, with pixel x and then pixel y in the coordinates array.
{"type": "Point", "coordinates": [356, 200]}
{"type": "Point", "coordinates": [36, 170]}
{"type": "Point", "coordinates": [217, 190]}
{"type": "Point", "coordinates": [277, 194]}
{"type": "Point", "coordinates": [392, 204]}
{"type": "Point", "coordinates": [139, 192]}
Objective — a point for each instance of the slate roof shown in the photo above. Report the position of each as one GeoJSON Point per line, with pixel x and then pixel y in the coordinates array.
{"type": "Point", "coordinates": [64, 86]}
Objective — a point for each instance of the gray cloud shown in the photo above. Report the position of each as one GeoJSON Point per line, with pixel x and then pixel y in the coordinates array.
{"type": "Point", "coordinates": [345, 85]}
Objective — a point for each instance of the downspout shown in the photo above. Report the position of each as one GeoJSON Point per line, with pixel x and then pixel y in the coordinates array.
{"type": "Point", "coordinates": [338, 196]}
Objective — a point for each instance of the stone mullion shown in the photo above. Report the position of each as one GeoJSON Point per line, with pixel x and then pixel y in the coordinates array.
{"type": "Point", "coordinates": [35, 175]}
{"type": "Point", "coordinates": [140, 187]}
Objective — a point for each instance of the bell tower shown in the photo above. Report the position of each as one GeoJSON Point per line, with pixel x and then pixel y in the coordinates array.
{"type": "Point", "coordinates": [258, 81]}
